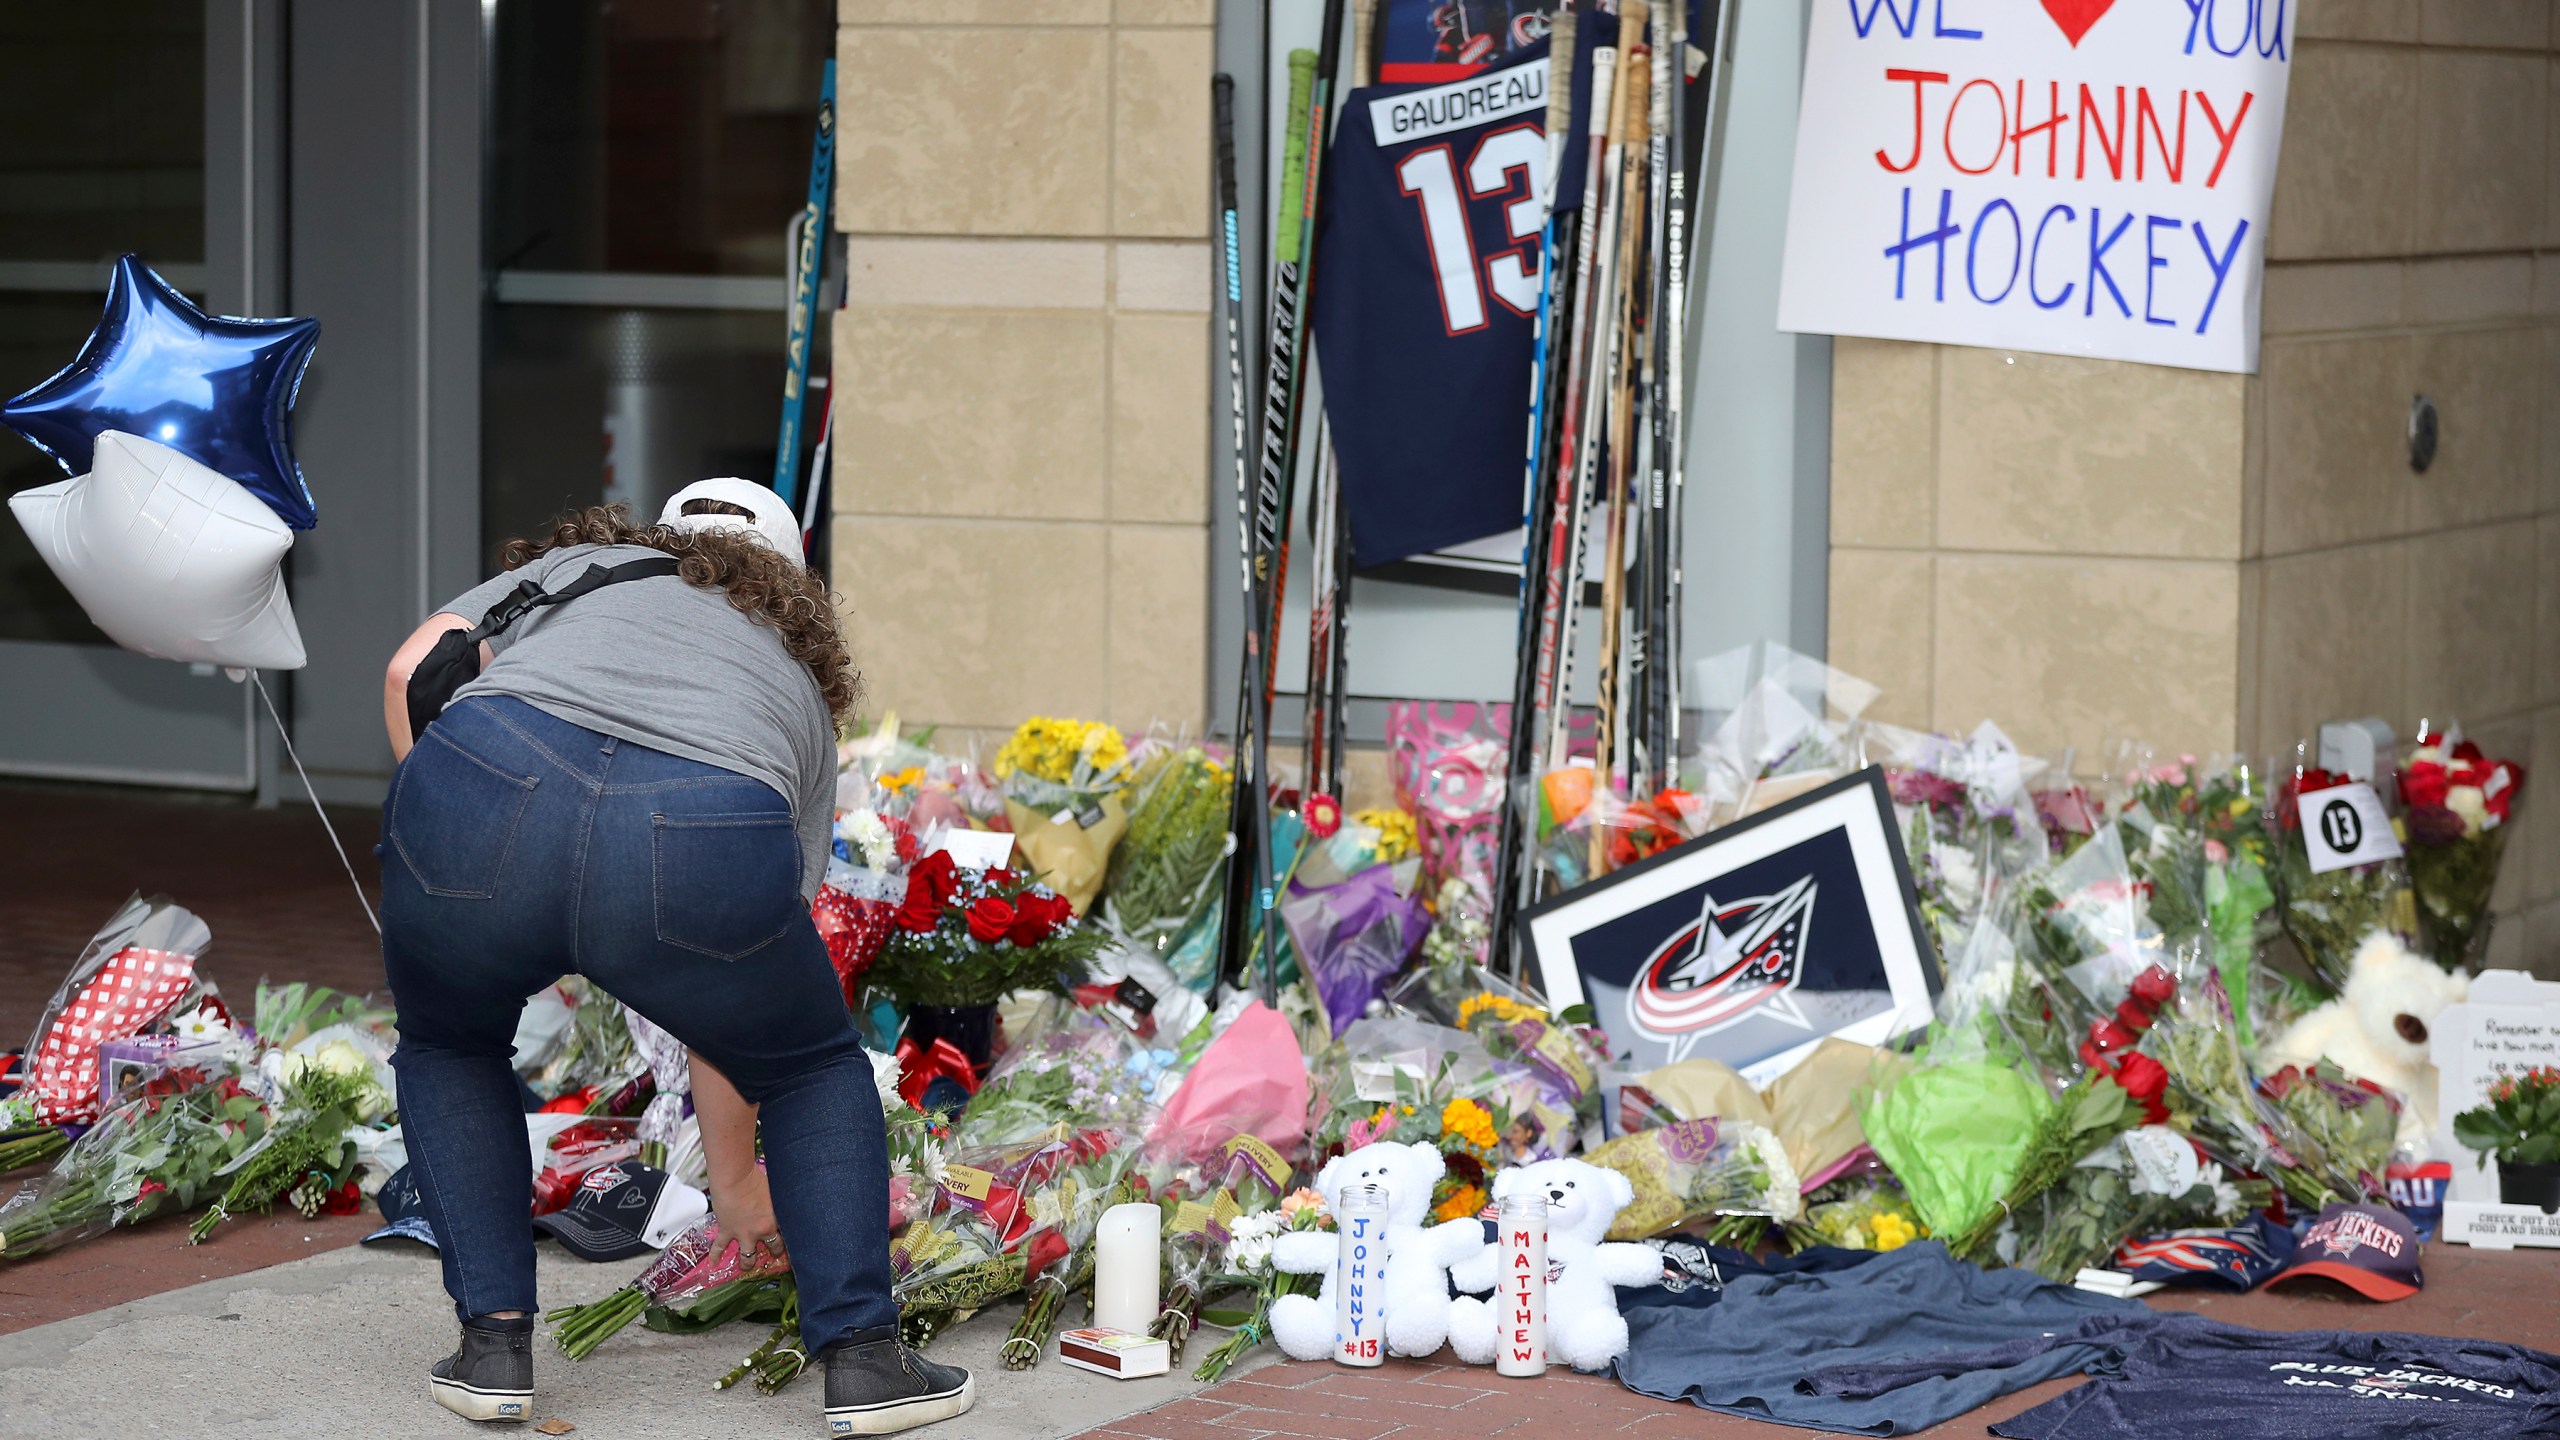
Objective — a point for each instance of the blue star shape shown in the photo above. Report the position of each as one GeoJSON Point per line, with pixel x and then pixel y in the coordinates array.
{"type": "Point", "coordinates": [216, 389]}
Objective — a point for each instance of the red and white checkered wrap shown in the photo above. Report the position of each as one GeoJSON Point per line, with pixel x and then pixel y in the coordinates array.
{"type": "Point", "coordinates": [133, 989]}
{"type": "Point", "coordinates": [854, 930]}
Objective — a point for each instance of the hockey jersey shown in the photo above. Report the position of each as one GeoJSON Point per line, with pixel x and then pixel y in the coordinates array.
{"type": "Point", "coordinates": [1428, 248]}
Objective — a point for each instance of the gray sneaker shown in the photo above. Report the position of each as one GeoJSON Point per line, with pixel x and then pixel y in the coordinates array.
{"type": "Point", "coordinates": [880, 1387]}
{"type": "Point", "coordinates": [491, 1376]}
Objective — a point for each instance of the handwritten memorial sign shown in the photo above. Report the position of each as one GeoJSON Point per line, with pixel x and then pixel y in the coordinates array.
{"type": "Point", "coordinates": [2080, 177]}
{"type": "Point", "coordinates": [2510, 1024]}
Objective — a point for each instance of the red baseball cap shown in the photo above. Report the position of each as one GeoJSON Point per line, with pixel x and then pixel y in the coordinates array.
{"type": "Point", "coordinates": [2370, 1249]}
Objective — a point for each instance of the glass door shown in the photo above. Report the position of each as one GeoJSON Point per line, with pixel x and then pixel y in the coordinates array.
{"type": "Point", "coordinates": [102, 151]}
{"type": "Point", "coordinates": [645, 165]}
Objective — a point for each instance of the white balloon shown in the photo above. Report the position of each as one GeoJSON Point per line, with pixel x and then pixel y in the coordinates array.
{"type": "Point", "coordinates": [168, 557]}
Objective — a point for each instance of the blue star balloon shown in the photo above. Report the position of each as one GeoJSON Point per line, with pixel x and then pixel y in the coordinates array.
{"type": "Point", "coordinates": [215, 389]}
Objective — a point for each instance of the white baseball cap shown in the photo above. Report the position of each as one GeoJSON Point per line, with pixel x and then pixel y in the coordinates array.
{"type": "Point", "coordinates": [773, 523]}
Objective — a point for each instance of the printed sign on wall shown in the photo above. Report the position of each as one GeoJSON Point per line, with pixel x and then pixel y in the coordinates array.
{"type": "Point", "coordinates": [2080, 177]}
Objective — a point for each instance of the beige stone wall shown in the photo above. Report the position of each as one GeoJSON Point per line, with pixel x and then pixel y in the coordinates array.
{"type": "Point", "coordinates": [1022, 365]}
{"type": "Point", "coordinates": [2086, 550]}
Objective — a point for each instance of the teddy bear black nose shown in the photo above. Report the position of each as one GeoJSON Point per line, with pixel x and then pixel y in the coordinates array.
{"type": "Point", "coordinates": [2411, 1028]}
{"type": "Point", "coordinates": [1555, 1195]}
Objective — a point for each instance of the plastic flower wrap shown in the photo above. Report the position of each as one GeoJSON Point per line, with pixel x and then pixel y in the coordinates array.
{"type": "Point", "coordinates": [162, 1150]}
{"type": "Point", "coordinates": [2313, 1140]}
{"type": "Point", "coordinates": [971, 937]}
{"type": "Point", "coordinates": [2458, 803]}
{"type": "Point", "coordinates": [700, 1282]}
{"type": "Point", "coordinates": [1955, 1134]}
{"type": "Point", "coordinates": [1352, 937]}
{"type": "Point", "coordinates": [1969, 818]}
{"type": "Point", "coordinates": [2329, 914]}
{"type": "Point", "coordinates": [1874, 1216]}
{"type": "Point", "coordinates": [1693, 1168]}
{"type": "Point", "coordinates": [1778, 723]}
{"type": "Point", "coordinates": [1446, 761]}
{"type": "Point", "coordinates": [1165, 872]}
{"type": "Point", "coordinates": [1076, 1069]}
{"type": "Point", "coordinates": [1004, 1214]}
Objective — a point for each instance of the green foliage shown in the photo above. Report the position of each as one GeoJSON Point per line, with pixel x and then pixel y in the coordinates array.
{"type": "Point", "coordinates": [308, 1139]}
{"type": "Point", "coordinates": [2521, 1123]}
{"type": "Point", "coordinates": [1177, 834]}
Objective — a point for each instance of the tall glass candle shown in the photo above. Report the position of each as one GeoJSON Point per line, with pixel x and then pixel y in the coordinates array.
{"type": "Point", "coordinates": [1359, 1277]}
{"type": "Point", "coordinates": [1520, 1306]}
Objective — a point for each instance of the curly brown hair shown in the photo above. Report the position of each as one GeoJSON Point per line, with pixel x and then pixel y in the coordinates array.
{"type": "Point", "coordinates": [762, 585]}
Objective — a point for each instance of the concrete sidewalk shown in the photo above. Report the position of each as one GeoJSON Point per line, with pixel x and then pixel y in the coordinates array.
{"type": "Point", "coordinates": [338, 1345]}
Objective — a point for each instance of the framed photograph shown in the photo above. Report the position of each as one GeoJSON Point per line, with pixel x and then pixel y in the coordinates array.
{"type": "Point", "coordinates": [1751, 944]}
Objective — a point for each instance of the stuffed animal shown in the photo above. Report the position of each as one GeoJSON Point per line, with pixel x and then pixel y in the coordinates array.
{"type": "Point", "coordinates": [1413, 1273]}
{"type": "Point", "coordinates": [2377, 1030]}
{"type": "Point", "coordinates": [1584, 1329]}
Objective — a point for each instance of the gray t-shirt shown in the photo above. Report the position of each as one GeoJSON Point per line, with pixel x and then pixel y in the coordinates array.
{"type": "Point", "coordinates": [662, 663]}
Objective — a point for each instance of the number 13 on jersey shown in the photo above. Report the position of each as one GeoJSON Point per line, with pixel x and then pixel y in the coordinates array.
{"type": "Point", "coordinates": [1510, 161]}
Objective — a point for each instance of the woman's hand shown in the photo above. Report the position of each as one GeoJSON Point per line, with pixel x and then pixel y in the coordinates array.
{"type": "Point", "coordinates": [740, 1198]}
{"type": "Point", "coordinates": [743, 1206]}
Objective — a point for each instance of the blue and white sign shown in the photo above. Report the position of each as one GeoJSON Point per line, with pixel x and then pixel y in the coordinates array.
{"type": "Point", "coordinates": [2078, 177]}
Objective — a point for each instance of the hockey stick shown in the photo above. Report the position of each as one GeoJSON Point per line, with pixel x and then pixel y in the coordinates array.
{"type": "Point", "coordinates": [1597, 369]}
{"type": "Point", "coordinates": [1608, 753]}
{"type": "Point", "coordinates": [808, 259]}
{"type": "Point", "coordinates": [1519, 802]}
{"type": "Point", "coordinates": [1294, 248]}
{"type": "Point", "coordinates": [1250, 815]}
{"type": "Point", "coordinates": [1647, 665]}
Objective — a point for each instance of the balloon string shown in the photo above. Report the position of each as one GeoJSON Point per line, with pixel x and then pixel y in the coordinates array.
{"type": "Point", "coordinates": [287, 737]}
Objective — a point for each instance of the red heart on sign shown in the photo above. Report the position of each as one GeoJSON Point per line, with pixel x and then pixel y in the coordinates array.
{"type": "Point", "coordinates": [2076, 16]}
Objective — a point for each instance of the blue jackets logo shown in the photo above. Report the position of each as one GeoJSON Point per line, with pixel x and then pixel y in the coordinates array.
{"type": "Point", "coordinates": [1737, 960]}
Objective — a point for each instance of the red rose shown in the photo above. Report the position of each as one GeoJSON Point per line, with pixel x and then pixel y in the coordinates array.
{"type": "Point", "coordinates": [922, 909]}
{"type": "Point", "coordinates": [2469, 751]}
{"type": "Point", "coordinates": [1046, 1249]}
{"type": "Point", "coordinates": [2424, 782]}
{"type": "Point", "coordinates": [2107, 1035]}
{"type": "Point", "coordinates": [940, 873]}
{"type": "Point", "coordinates": [2154, 987]}
{"type": "Point", "coordinates": [989, 919]}
{"type": "Point", "coordinates": [1000, 877]}
{"type": "Point", "coordinates": [2145, 1080]}
{"type": "Point", "coordinates": [2132, 1016]}
{"type": "Point", "coordinates": [1031, 922]}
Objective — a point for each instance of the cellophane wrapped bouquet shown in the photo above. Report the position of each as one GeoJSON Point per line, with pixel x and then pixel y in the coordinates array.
{"type": "Point", "coordinates": [2458, 804]}
{"type": "Point", "coordinates": [1064, 782]}
{"type": "Point", "coordinates": [2329, 913]}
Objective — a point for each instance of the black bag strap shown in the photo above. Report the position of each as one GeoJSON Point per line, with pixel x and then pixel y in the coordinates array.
{"type": "Point", "coordinates": [529, 597]}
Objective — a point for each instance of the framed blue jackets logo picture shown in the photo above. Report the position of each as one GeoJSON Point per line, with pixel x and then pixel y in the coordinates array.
{"type": "Point", "coordinates": [1713, 949]}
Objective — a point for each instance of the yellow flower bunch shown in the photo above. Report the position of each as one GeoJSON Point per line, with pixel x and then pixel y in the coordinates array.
{"type": "Point", "coordinates": [1049, 748]}
{"type": "Point", "coordinates": [1501, 1007]}
{"type": "Point", "coordinates": [1465, 1203]}
{"type": "Point", "coordinates": [897, 780]}
{"type": "Point", "coordinates": [1396, 838]}
{"type": "Point", "coordinates": [1892, 1231]}
{"type": "Point", "coordinates": [1469, 1121]}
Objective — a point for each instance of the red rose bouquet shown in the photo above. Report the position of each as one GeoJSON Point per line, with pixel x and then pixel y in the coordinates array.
{"type": "Point", "coordinates": [2457, 802]}
{"type": "Point", "coordinates": [972, 937]}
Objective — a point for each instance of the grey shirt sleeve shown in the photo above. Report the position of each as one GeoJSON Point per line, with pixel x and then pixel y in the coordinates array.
{"type": "Point", "coordinates": [817, 814]}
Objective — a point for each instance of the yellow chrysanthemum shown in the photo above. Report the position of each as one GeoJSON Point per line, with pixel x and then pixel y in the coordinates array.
{"type": "Point", "coordinates": [1502, 1007]}
{"type": "Point", "coordinates": [1465, 1203]}
{"type": "Point", "coordinates": [1469, 1121]}
{"type": "Point", "coordinates": [1396, 838]}
{"type": "Point", "coordinates": [1893, 1232]}
{"type": "Point", "coordinates": [1048, 748]}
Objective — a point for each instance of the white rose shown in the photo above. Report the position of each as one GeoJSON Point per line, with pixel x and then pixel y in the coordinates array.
{"type": "Point", "coordinates": [2467, 802]}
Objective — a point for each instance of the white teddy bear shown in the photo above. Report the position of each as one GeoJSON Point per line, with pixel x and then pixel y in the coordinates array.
{"type": "Point", "coordinates": [2377, 1030]}
{"type": "Point", "coordinates": [1584, 1329]}
{"type": "Point", "coordinates": [1412, 1277]}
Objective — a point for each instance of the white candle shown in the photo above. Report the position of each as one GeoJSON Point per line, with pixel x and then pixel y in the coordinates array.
{"type": "Point", "coordinates": [1520, 1306]}
{"type": "Point", "coordinates": [1128, 1253]}
{"type": "Point", "coordinates": [1359, 1276]}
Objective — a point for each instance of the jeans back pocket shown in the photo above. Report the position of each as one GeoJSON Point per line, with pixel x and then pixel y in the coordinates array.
{"type": "Point", "coordinates": [453, 817]}
{"type": "Point", "coordinates": [725, 885]}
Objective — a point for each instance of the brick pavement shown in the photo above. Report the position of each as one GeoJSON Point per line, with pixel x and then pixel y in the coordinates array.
{"type": "Point", "coordinates": [265, 880]}
{"type": "Point", "coordinates": [2473, 1293]}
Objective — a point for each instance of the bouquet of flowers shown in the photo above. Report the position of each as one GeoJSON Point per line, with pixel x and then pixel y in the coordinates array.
{"type": "Point", "coordinates": [1873, 1216]}
{"type": "Point", "coordinates": [1955, 1133]}
{"type": "Point", "coordinates": [698, 1283]}
{"type": "Point", "coordinates": [997, 1221]}
{"type": "Point", "coordinates": [1062, 781]}
{"type": "Point", "coordinates": [305, 1155]}
{"type": "Point", "coordinates": [2329, 914]}
{"type": "Point", "coordinates": [2112, 1194]}
{"type": "Point", "coordinates": [161, 1150]}
{"type": "Point", "coordinates": [2338, 1127]}
{"type": "Point", "coordinates": [973, 937]}
{"type": "Point", "coordinates": [2458, 802]}
{"type": "Point", "coordinates": [1691, 1168]}
{"type": "Point", "coordinates": [1247, 1262]}
{"type": "Point", "coordinates": [1163, 874]}
{"type": "Point", "coordinates": [2314, 1146]}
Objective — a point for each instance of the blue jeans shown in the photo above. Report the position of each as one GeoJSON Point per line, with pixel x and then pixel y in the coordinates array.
{"type": "Point", "coordinates": [518, 847]}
